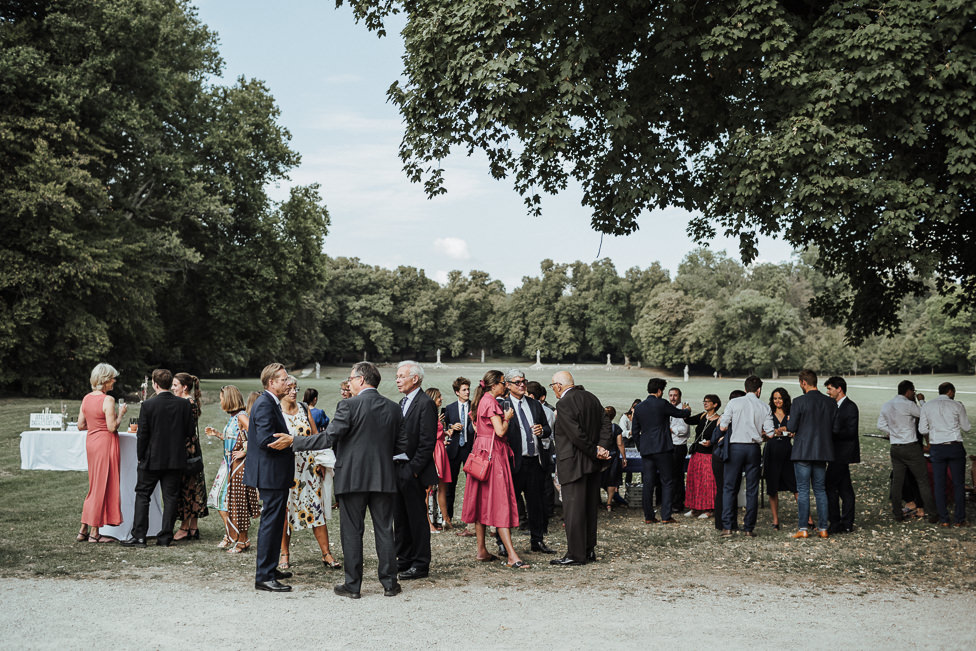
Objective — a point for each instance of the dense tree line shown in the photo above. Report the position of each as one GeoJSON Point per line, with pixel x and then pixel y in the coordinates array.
{"type": "Point", "coordinates": [135, 222]}
{"type": "Point", "coordinates": [715, 315]}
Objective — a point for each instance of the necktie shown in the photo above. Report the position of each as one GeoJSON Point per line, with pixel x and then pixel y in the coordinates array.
{"type": "Point", "coordinates": [464, 424]}
{"type": "Point", "coordinates": [529, 437]}
{"type": "Point", "coordinates": [403, 405]}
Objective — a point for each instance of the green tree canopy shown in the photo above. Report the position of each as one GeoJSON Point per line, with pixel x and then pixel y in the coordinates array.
{"type": "Point", "coordinates": [844, 125]}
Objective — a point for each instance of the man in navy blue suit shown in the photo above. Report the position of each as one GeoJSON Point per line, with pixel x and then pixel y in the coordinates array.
{"type": "Point", "coordinates": [651, 428]}
{"type": "Point", "coordinates": [459, 435]}
{"type": "Point", "coordinates": [272, 473]}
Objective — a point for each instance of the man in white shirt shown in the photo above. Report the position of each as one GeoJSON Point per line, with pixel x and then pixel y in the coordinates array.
{"type": "Point", "coordinates": [944, 420]}
{"type": "Point", "coordinates": [898, 419]}
{"type": "Point", "coordinates": [679, 436]}
{"type": "Point", "coordinates": [747, 418]}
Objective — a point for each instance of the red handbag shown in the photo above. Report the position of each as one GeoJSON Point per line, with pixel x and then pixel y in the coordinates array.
{"type": "Point", "coordinates": [477, 464]}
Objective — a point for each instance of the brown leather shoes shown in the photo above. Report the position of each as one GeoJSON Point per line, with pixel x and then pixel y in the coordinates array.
{"type": "Point", "coordinates": [823, 534]}
{"type": "Point", "coordinates": [802, 533]}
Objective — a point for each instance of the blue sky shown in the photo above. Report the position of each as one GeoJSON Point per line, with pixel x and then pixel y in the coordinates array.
{"type": "Point", "coordinates": [329, 76]}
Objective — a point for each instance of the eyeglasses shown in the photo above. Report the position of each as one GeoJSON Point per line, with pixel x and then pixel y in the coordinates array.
{"type": "Point", "coordinates": [352, 377]}
{"type": "Point", "coordinates": [516, 382]}
{"type": "Point", "coordinates": [555, 384]}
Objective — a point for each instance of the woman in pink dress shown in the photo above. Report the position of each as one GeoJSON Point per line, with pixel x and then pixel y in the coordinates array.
{"type": "Point", "coordinates": [441, 462]}
{"type": "Point", "coordinates": [102, 505]}
{"type": "Point", "coordinates": [491, 503]}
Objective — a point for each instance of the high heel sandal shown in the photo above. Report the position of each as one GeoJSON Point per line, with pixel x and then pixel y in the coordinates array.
{"type": "Point", "coordinates": [240, 547]}
{"type": "Point", "coordinates": [333, 564]}
{"type": "Point", "coordinates": [194, 534]}
{"type": "Point", "coordinates": [82, 535]}
{"type": "Point", "coordinates": [283, 563]}
{"type": "Point", "coordinates": [223, 544]}
{"type": "Point", "coordinates": [178, 537]}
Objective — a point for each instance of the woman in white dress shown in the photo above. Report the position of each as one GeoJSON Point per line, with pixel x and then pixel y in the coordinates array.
{"type": "Point", "coordinates": [310, 497]}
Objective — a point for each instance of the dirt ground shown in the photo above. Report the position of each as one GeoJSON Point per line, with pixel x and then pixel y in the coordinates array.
{"type": "Point", "coordinates": [685, 613]}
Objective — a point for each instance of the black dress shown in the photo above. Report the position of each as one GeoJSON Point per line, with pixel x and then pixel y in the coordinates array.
{"type": "Point", "coordinates": [613, 474]}
{"type": "Point", "coordinates": [777, 466]}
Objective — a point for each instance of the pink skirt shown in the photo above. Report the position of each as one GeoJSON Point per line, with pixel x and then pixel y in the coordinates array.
{"type": "Point", "coordinates": [491, 502]}
{"type": "Point", "coordinates": [700, 485]}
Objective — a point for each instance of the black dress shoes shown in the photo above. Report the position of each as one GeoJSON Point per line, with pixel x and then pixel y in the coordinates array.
{"type": "Point", "coordinates": [133, 542]}
{"type": "Point", "coordinates": [543, 547]}
{"type": "Point", "coordinates": [271, 586]}
{"type": "Point", "coordinates": [343, 591]}
{"type": "Point", "coordinates": [565, 561]}
{"type": "Point", "coordinates": [281, 575]}
{"type": "Point", "coordinates": [591, 556]}
{"type": "Point", "coordinates": [394, 591]}
{"type": "Point", "coordinates": [164, 542]}
{"type": "Point", "coordinates": [413, 573]}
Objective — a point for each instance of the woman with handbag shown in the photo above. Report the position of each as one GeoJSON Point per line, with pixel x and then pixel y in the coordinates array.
{"type": "Point", "coordinates": [489, 495]}
{"type": "Point", "coordinates": [236, 503]}
{"type": "Point", "coordinates": [310, 497]}
{"type": "Point", "coordinates": [701, 488]}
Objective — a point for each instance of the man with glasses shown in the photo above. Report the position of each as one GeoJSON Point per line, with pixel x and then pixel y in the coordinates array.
{"type": "Point", "coordinates": [366, 434]}
{"type": "Point", "coordinates": [529, 436]}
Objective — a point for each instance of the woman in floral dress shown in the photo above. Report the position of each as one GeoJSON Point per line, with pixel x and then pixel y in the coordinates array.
{"type": "Point", "coordinates": [193, 491]}
{"type": "Point", "coordinates": [310, 497]}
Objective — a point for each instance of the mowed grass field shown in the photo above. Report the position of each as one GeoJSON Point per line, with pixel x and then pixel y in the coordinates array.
{"type": "Point", "coordinates": [40, 510]}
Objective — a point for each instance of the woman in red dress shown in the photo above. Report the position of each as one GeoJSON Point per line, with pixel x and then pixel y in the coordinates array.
{"type": "Point", "coordinates": [491, 503]}
{"type": "Point", "coordinates": [102, 505]}
{"type": "Point", "coordinates": [441, 462]}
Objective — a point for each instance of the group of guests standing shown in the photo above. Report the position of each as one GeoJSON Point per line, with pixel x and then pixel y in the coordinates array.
{"type": "Point", "coordinates": [183, 487]}
{"type": "Point", "coordinates": [810, 442]}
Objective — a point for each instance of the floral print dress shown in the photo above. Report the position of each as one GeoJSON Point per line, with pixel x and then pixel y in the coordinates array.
{"type": "Point", "coordinates": [306, 507]}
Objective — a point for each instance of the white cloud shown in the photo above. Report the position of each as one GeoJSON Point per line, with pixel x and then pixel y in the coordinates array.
{"type": "Point", "coordinates": [453, 247]}
{"type": "Point", "coordinates": [440, 276]}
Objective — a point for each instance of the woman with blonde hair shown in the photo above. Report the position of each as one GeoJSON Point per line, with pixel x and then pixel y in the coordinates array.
{"type": "Point", "coordinates": [97, 415]}
{"type": "Point", "coordinates": [193, 491]}
{"type": "Point", "coordinates": [237, 504]}
{"type": "Point", "coordinates": [491, 502]}
{"type": "Point", "coordinates": [310, 497]}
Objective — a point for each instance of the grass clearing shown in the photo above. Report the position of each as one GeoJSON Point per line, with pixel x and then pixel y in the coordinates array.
{"type": "Point", "coordinates": [40, 510]}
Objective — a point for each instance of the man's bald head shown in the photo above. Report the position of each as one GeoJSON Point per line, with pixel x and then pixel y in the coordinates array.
{"type": "Point", "coordinates": [561, 381]}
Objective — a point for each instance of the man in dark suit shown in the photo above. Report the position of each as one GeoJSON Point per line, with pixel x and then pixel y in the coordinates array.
{"type": "Point", "coordinates": [272, 472]}
{"type": "Point", "coordinates": [165, 426]}
{"type": "Point", "coordinates": [651, 429]}
{"type": "Point", "coordinates": [528, 435]}
{"type": "Point", "coordinates": [366, 433]}
{"type": "Point", "coordinates": [582, 436]}
{"type": "Point", "coordinates": [847, 450]}
{"type": "Point", "coordinates": [411, 529]}
{"type": "Point", "coordinates": [811, 423]}
{"type": "Point", "coordinates": [459, 434]}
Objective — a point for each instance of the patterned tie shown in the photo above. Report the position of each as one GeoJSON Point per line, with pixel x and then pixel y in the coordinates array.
{"type": "Point", "coordinates": [403, 405]}
{"type": "Point", "coordinates": [464, 424]}
{"type": "Point", "coordinates": [529, 437]}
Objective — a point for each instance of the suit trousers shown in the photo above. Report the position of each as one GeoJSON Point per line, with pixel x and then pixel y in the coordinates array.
{"type": "Point", "coordinates": [743, 457]}
{"type": "Point", "coordinates": [530, 481]}
{"type": "Point", "coordinates": [169, 484]}
{"type": "Point", "coordinates": [678, 464]}
{"type": "Point", "coordinates": [450, 488]}
{"type": "Point", "coordinates": [411, 530]}
{"type": "Point", "coordinates": [274, 510]}
{"type": "Point", "coordinates": [657, 464]}
{"type": "Point", "coordinates": [718, 470]}
{"type": "Point", "coordinates": [581, 499]}
{"type": "Point", "coordinates": [840, 496]}
{"type": "Point", "coordinates": [352, 517]}
{"type": "Point", "coordinates": [951, 456]}
{"type": "Point", "coordinates": [908, 456]}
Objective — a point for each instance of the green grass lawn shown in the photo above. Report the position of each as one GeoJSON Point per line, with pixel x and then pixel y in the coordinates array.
{"type": "Point", "coordinates": [40, 510]}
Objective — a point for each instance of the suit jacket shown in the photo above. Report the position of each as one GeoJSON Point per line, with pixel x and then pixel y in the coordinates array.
{"type": "Point", "coordinates": [452, 415]}
{"type": "Point", "coordinates": [420, 427]}
{"type": "Point", "coordinates": [581, 425]}
{"type": "Point", "coordinates": [536, 415]}
{"type": "Point", "coordinates": [165, 427]}
{"type": "Point", "coordinates": [651, 425]}
{"type": "Point", "coordinates": [847, 445]}
{"type": "Point", "coordinates": [266, 467]}
{"type": "Point", "coordinates": [812, 420]}
{"type": "Point", "coordinates": [366, 433]}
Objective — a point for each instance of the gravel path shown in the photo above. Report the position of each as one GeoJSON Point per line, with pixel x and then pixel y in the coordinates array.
{"type": "Point", "coordinates": [128, 614]}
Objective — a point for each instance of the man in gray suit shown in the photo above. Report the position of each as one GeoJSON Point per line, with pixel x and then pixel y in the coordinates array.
{"type": "Point", "coordinates": [366, 433]}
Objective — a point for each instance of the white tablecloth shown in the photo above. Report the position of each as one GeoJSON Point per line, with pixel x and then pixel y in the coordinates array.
{"type": "Point", "coordinates": [54, 450]}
